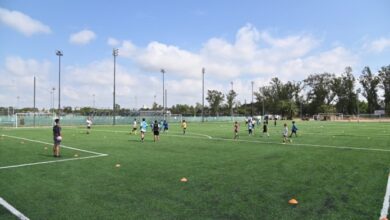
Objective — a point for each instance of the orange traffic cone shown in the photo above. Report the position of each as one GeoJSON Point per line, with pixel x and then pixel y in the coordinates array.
{"type": "Point", "coordinates": [293, 202]}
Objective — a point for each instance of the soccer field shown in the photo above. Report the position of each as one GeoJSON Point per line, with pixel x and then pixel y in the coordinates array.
{"type": "Point", "coordinates": [336, 170]}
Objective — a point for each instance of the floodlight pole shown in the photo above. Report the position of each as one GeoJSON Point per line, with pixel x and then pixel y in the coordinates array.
{"type": "Point", "coordinates": [115, 54]}
{"type": "Point", "coordinates": [34, 99]}
{"type": "Point", "coordinates": [163, 78]}
{"type": "Point", "coordinates": [203, 72]}
{"type": "Point", "coordinates": [59, 54]}
{"type": "Point", "coordinates": [252, 99]}
{"type": "Point", "coordinates": [357, 103]}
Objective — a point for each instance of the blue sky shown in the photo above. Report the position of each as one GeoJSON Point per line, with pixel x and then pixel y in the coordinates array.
{"type": "Point", "coordinates": [236, 41]}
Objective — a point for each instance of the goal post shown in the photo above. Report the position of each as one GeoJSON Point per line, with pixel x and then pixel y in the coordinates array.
{"type": "Point", "coordinates": [33, 119]}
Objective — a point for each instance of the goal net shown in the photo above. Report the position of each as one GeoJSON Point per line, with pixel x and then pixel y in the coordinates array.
{"type": "Point", "coordinates": [33, 119]}
{"type": "Point", "coordinates": [152, 115]}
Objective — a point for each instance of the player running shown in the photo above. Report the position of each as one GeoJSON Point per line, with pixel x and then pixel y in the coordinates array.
{"type": "Point", "coordinates": [165, 125]}
{"type": "Point", "coordinates": [250, 127]}
{"type": "Point", "coordinates": [143, 127]}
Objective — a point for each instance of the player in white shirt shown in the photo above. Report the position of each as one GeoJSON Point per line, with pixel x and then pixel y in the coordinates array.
{"type": "Point", "coordinates": [134, 131]}
{"type": "Point", "coordinates": [89, 125]}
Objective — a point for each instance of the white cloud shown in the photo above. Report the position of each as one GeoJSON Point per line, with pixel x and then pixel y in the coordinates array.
{"type": "Point", "coordinates": [378, 45]}
{"type": "Point", "coordinates": [17, 80]}
{"type": "Point", "coordinates": [82, 37]}
{"type": "Point", "coordinates": [22, 22]}
{"type": "Point", "coordinates": [113, 42]}
{"type": "Point", "coordinates": [253, 55]}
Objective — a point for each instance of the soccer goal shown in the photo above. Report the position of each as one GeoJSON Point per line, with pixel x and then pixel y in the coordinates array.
{"type": "Point", "coordinates": [33, 119]}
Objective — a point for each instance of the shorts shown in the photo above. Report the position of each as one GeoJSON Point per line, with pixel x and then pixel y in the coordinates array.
{"type": "Point", "coordinates": [56, 142]}
{"type": "Point", "coordinates": [88, 127]}
{"type": "Point", "coordinates": [134, 129]}
{"type": "Point", "coordinates": [143, 130]}
{"type": "Point", "coordinates": [156, 133]}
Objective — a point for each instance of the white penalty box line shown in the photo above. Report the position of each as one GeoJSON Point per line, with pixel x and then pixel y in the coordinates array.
{"type": "Point", "coordinates": [11, 209]}
{"type": "Point", "coordinates": [386, 201]}
{"type": "Point", "coordinates": [96, 154]}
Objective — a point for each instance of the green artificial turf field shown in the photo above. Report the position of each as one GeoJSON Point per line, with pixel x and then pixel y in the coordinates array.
{"type": "Point", "coordinates": [336, 170]}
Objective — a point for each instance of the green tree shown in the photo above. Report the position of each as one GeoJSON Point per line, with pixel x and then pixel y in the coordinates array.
{"type": "Point", "coordinates": [384, 76]}
{"type": "Point", "coordinates": [215, 99]}
{"type": "Point", "coordinates": [370, 83]}
{"type": "Point", "coordinates": [230, 100]}
{"type": "Point", "coordinates": [343, 88]}
{"type": "Point", "coordinates": [320, 91]}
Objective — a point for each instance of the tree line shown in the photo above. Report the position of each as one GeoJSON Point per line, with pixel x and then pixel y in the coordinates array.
{"type": "Point", "coordinates": [318, 93]}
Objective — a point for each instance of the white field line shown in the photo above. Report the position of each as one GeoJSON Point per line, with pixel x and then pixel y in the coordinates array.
{"type": "Point", "coordinates": [12, 210]}
{"type": "Point", "coordinates": [52, 161]}
{"type": "Point", "coordinates": [96, 154]}
{"type": "Point", "coordinates": [42, 142]}
{"type": "Point", "coordinates": [267, 142]}
{"type": "Point", "coordinates": [386, 201]}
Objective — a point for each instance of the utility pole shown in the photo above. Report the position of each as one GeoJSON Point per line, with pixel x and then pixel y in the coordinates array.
{"type": "Point", "coordinates": [34, 101]}
{"type": "Point", "coordinates": [163, 76]}
{"type": "Point", "coordinates": [203, 72]}
{"type": "Point", "coordinates": [115, 54]}
{"type": "Point", "coordinates": [252, 99]}
{"type": "Point", "coordinates": [59, 54]}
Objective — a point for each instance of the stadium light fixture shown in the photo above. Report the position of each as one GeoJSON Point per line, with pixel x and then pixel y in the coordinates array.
{"type": "Point", "coordinates": [59, 54]}
{"type": "Point", "coordinates": [115, 54]}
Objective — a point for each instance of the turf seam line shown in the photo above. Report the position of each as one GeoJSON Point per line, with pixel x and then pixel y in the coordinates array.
{"type": "Point", "coordinates": [14, 211]}
{"type": "Point", "coordinates": [386, 201]}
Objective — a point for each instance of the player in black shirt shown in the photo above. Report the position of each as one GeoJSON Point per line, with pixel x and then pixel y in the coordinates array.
{"type": "Point", "coordinates": [57, 138]}
{"type": "Point", "coordinates": [156, 131]}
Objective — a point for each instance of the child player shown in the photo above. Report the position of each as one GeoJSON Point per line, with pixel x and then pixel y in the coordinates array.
{"type": "Point", "coordinates": [184, 126]}
{"type": "Point", "coordinates": [250, 127]}
{"type": "Point", "coordinates": [165, 126]}
{"type": "Point", "coordinates": [143, 127]}
{"type": "Point", "coordinates": [285, 133]}
{"type": "Point", "coordinates": [89, 124]}
{"type": "Point", "coordinates": [156, 131]}
{"type": "Point", "coordinates": [134, 131]}
{"type": "Point", "coordinates": [236, 128]}
{"type": "Point", "coordinates": [57, 138]}
{"type": "Point", "coordinates": [265, 129]}
{"type": "Point", "coordinates": [294, 129]}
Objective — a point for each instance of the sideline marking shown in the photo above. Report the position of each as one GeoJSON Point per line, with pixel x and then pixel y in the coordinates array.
{"type": "Point", "coordinates": [96, 154]}
{"type": "Point", "coordinates": [386, 201]}
{"type": "Point", "coordinates": [42, 142]}
{"type": "Point", "coordinates": [14, 211]}
{"type": "Point", "coordinates": [267, 142]}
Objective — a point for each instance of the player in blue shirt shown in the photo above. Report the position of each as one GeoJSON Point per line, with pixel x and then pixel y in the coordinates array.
{"type": "Point", "coordinates": [294, 129]}
{"type": "Point", "coordinates": [143, 127]}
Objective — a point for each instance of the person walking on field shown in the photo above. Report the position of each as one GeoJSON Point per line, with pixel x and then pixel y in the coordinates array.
{"type": "Point", "coordinates": [294, 129]}
{"type": "Point", "coordinates": [57, 138]}
{"type": "Point", "coordinates": [143, 127]}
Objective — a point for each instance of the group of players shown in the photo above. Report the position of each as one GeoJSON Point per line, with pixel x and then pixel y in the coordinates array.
{"type": "Point", "coordinates": [163, 126]}
{"type": "Point", "coordinates": [251, 123]}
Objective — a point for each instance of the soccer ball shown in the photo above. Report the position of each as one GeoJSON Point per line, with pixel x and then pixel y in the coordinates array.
{"type": "Point", "coordinates": [59, 138]}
